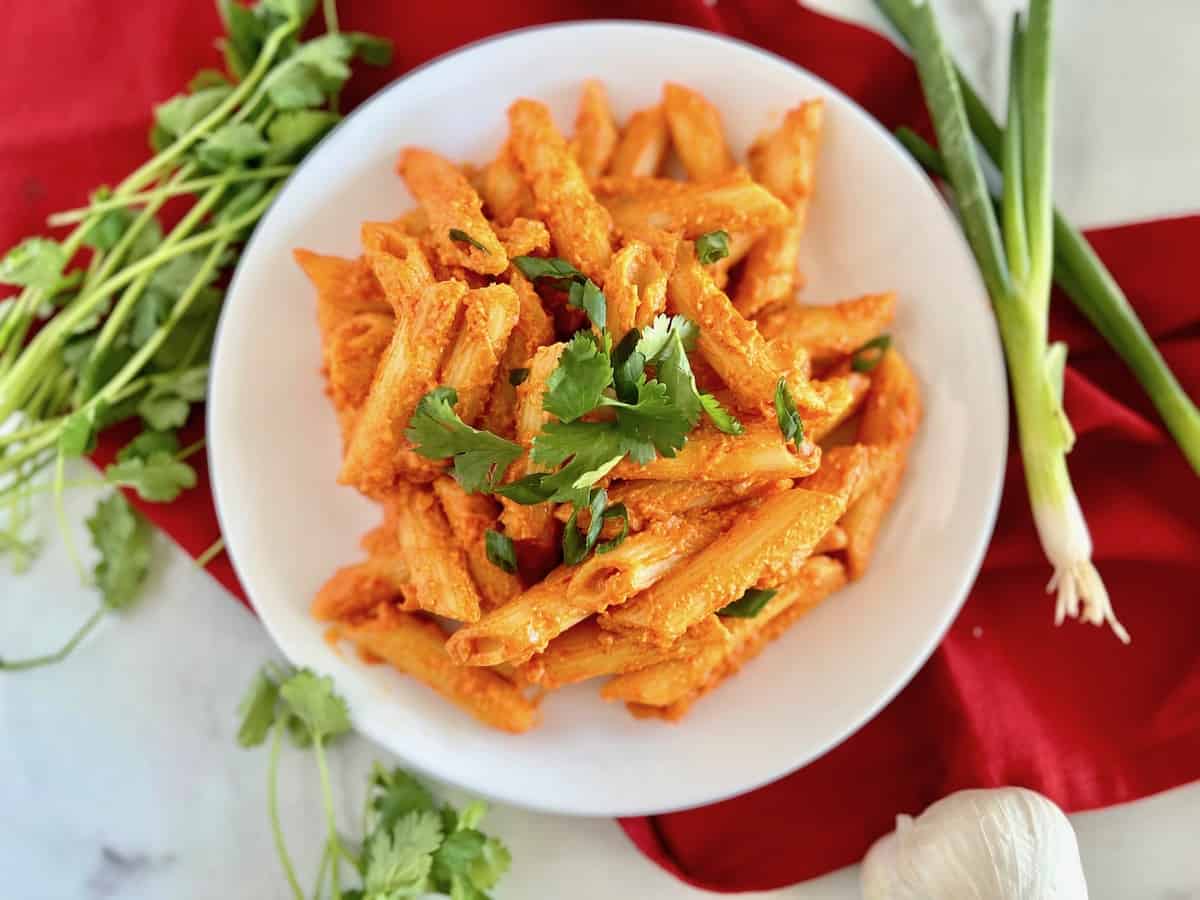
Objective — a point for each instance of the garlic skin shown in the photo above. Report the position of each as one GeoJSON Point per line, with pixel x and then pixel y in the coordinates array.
{"type": "Point", "coordinates": [999, 844]}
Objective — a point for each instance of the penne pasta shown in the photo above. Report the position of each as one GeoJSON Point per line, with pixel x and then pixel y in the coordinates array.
{"type": "Point", "coordinates": [842, 396]}
{"type": "Point", "coordinates": [452, 206]}
{"type": "Point", "coordinates": [783, 161]}
{"type": "Point", "coordinates": [732, 203]}
{"type": "Point", "coordinates": [437, 568]}
{"type": "Point", "coordinates": [489, 315]}
{"type": "Point", "coordinates": [595, 131]}
{"type": "Point", "coordinates": [345, 287]}
{"type": "Point", "coordinates": [696, 132]}
{"type": "Point", "coordinates": [399, 263]}
{"type": "Point", "coordinates": [740, 243]}
{"type": "Point", "coordinates": [642, 145]}
{"type": "Point", "coordinates": [588, 651]}
{"type": "Point", "coordinates": [892, 409]}
{"type": "Point", "coordinates": [819, 578]}
{"type": "Point", "coordinates": [503, 188]}
{"type": "Point", "coordinates": [569, 594]}
{"type": "Point", "coordinates": [579, 226]}
{"type": "Point", "coordinates": [653, 501]}
{"type": "Point", "coordinates": [416, 646]}
{"type": "Point", "coordinates": [863, 520]}
{"type": "Point", "coordinates": [524, 237]}
{"type": "Point", "coordinates": [534, 329]}
{"type": "Point", "coordinates": [663, 682]}
{"type": "Point", "coordinates": [404, 375]}
{"type": "Point", "coordinates": [845, 472]}
{"type": "Point", "coordinates": [760, 453]}
{"type": "Point", "coordinates": [728, 342]}
{"type": "Point", "coordinates": [470, 516]}
{"type": "Point", "coordinates": [830, 332]}
{"type": "Point", "coordinates": [835, 539]}
{"type": "Point", "coordinates": [635, 288]}
{"type": "Point", "coordinates": [356, 590]}
{"type": "Point", "coordinates": [768, 536]}
{"type": "Point", "coordinates": [352, 355]}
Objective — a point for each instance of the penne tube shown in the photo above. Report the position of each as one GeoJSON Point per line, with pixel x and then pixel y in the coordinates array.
{"type": "Point", "coordinates": [452, 205]}
{"type": "Point", "coordinates": [579, 226]}
{"type": "Point", "coordinates": [732, 203]}
{"type": "Point", "coordinates": [784, 162]}
{"type": "Point", "coordinates": [405, 374]}
{"type": "Point", "coordinates": [842, 396]}
{"type": "Point", "coordinates": [352, 356]}
{"type": "Point", "coordinates": [845, 472]}
{"type": "Point", "coordinates": [768, 536]}
{"type": "Point", "coordinates": [569, 594]}
{"type": "Point", "coordinates": [489, 315]}
{"type": "Point", "coordinates": [642, 145]}
{"type": "Point", "coordinates": [534, 329]}
{"type": "Point", "coordinates": [759, 453]}
{"type": "Point", "coordinates": [892, 409]}
{"type": "Point", "coordinates": [864, 519]}
{"type": "Point", "coordinates": [532, 523]}
{"type": "Point", "coordinates": [588, 651]}
{"type": "Point", "coordinates": [663, 682]}
{"type": "Point", "coordinates": [696, 132]}
{"type": "Point", "coordinates": [356, 590]}
{"type": "Point", "coordinates": [345, 287]}
{"type": "Point", "coordinates": [830, 332]}
{"type": "Point", "coordinates": [653, 501]}
{"type": "Point", "coordinates": [819, 578]}
{"type": "Point", "coordinates": [438, 575]}
{"type": "Point", "coordinates": [399, 263]}
{"type": "Point", "coordinates": [503, 188]}
{"type": "Point", "coordinates": [835, 539]}
{"type": "Point", "coordinates": [416, 646]}
{"type": "Point", "coordinates": [727, 342]}
{"type": "Point", "coordinates": [635, 288]}
{"type": "Point", "coordinates": [523, 237]}
{"type": "Point", "coordinates": [470, 516]}
{"type": "Point", "coordinates": [595, 131]}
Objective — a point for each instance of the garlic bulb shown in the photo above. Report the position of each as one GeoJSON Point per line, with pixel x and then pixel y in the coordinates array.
{"type": "Point", "coordinates": [1000, 844]}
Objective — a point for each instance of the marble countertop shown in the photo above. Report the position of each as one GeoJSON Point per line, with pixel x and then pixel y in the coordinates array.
{"type": "Point", "coordinates": [121, 776]}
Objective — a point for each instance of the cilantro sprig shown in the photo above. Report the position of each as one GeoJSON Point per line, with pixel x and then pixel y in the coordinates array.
{"type": "Point", "coordinates": [582, 292]}
{"type": "Point", "coordinates": [436, 432]}
{"type": "Point", "coordinates": [115, 320]}
{"type": "Point", "coordinates": [410, 846]}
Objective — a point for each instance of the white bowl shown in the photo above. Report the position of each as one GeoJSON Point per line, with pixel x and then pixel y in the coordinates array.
{"type": "Point", "coordinates": [875, 223]}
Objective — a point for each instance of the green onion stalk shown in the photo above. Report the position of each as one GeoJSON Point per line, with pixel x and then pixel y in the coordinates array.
{"type": "Point", "coordinates": [1015, 253]}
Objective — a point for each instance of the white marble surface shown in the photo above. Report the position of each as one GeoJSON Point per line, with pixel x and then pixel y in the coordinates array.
{"type": "Point", "coordinates": [121, 778]}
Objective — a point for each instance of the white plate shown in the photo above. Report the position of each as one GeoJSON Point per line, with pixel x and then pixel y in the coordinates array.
{"type": "Point", "coordinates": [875, 223]}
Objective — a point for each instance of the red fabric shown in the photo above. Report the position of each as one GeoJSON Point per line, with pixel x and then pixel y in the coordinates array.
{"type": "Point", "coordinates": [1006, 699]}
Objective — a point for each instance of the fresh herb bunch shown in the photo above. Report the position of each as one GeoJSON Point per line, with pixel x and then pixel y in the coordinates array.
{"type": "Point", "coordinates": [115, 320]}
{"type": "Point", "coordinates": [1015, 247]}
{"type": "Point", "coordinates": [409, 845]}
{"type": "Point", "coordinates": [630, 413]}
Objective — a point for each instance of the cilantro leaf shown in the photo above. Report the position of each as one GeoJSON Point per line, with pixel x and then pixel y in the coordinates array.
{"type": "Point", "coordinates": [653, 424]}
{"type": "Point", "coordinates": [712, 247]}
{"type": "Point", "coordinates": [148, 443]}
{"type": "Point", "coordinates": [257, 710]}
{"type": "Point", "coordinates": [576, 386]}
{"type": "Point", "coordinates": [78, 434]}
{"type": "Point", "coordinates": [527, 491]}
{"type": "Point", "coordinates": [722, 418]}
{"type": "Point", "coordinates": [593, 449]}
{"type": "Point", "coordinates": [182, 112]}
{"type": "Point", "coordinates": [629, 367]}
{"type": "Point", "coordinates": [500, 551]}
{"type": "Point", "coordinates": [397, 794]}
{"type": "Point", "coordinates": [122, 538]}
{"type": "Point", "coordinates": [457, 234]}
{"type": "Point", "coordinates": [516, 377]}
{"type": "Point", "coordinates": [586, 295]}
{"type": "Point", "coordinates": [655, 337]}
{"type": "Point", "coordinates": [313, 700]}
{"type": "Point", "coordinates": [231, 145]}
{"type": "Point", "coordinates": [576, 544]}
{"type": "Point", "coordinates": [317, 69]}
{"type": "Point", "coordinates": [749, 605]}
{"type": "Point", "coordinates": [436, 432]}
{"type": "Point", "coordinates": [35, 262]}
{"type": "Point", "coordinates": [158, 477]}
{"type": "Point", "coordinates": [790, 424]}
{"type": "Point", "coordinates": [294, 132]}
{"type": "Point", "coordinates": [167, 404]}
{"type": "Point", "coordinates": [400, 860]}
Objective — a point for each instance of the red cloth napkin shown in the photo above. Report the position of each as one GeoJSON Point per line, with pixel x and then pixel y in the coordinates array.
{"type": "Point", "coordinates": [1007, 698]}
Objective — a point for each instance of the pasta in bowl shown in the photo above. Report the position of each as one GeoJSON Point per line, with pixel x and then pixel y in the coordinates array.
{"type": "Point", "coordinates": [571, 484]}
{"type": "Point", "coordinates": [509, 409]}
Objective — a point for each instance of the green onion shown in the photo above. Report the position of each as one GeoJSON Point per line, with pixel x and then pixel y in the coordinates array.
{"type": "Point", "coordinates": [1077, 270]}
{"type": "Point", "coordinates": [749, 605]}
{"type": "Point", "coordinates": [500, 551]}
{"type": "Point", "coordinates": [1016, 258]}
{"type": "Point", "coordinates": [867, 357]}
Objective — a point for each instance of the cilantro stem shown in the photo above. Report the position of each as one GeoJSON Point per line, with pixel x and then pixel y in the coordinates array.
{"type": "Point", "coordinates": [190, 449]}
{"type": "Point", "coordinates": [319, 887]}
{"type": "Point", "coordinates": [334, 844]}
{"type": "Point", "coordinates": [22, 434]}
{"type": "Point", "coordinates": [32, 490]}
{"type": "Point", "coordinates": [329, 8]}
{"type": "Point", "coordinates": [60, 515]}
{"type": "Point", "coordinates": [150, 169]}
{"type": "Point", "coordinates": [273, 810]}
{"type": "Point", "coordinates": [59, 655]}
{"type": "Point", "coordinates": [213, 551]}
{"type": "Point", "coordinates": [175, 189]}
